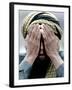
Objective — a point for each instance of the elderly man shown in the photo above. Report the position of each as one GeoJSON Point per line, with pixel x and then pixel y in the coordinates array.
{"type": "Point", "coordinates": [42, 33]}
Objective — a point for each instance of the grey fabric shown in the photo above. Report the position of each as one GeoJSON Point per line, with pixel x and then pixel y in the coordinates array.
{"type": "Point", "coordinates": [60, 71]}
{"type": "Point", "coordinates": [61, 53]}
{"type": "Point", "coordinates": [24, 70]}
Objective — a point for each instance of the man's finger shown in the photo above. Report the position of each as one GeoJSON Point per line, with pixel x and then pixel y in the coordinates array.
{"type": "Point", "coordinates": [44, 35]}
{"type": "Point", "coordinates": [32, 35]}
{"type": "Point", "coordinates": [31, 27]}
{"type": "Point", "coordinates": [48, 32]}
{"type": "Point", "coordinates": [38, 35]}
{"type": "Point", "coordinates": [36, 32]}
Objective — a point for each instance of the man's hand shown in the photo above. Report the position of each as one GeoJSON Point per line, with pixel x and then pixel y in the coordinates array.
{"type": "Point", "coordinates": [33, 43]}
{"type": "Point", "coordinates": [50, 40]}
{"type": "Point", "coordinates": [51, 43]}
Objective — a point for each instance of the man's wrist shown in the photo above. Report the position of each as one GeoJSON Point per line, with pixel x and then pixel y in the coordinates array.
{"type": "Point", "coordinates": [53, 55]}
{"type": "Point", "coordinates": [56, 59]}
{"type": "Point", "coordinates": [29, 59]}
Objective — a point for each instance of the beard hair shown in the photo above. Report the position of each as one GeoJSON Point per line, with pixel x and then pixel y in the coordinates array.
{"type": "Point", "coordinates": [41, 64]}
{"type": "Point", "coordinates": [40, 67]}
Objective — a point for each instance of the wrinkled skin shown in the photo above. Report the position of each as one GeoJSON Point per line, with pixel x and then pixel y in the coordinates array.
{"type": "Point", "coordinates": [33, 42]}
{"type": "Point", "coordinates": [51, 43]}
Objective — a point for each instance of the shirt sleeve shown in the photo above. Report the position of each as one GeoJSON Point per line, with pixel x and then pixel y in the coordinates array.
{"type": "Point", "coordinates": [60, 71]}
{"type": "Point", "coordinates": [24, 70]}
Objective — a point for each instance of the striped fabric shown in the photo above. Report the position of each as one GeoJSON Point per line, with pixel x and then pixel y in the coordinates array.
{"type": "Point", "coordinates": [41, 17]}
{"type": "Point", "coordinates": [51, 72]}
